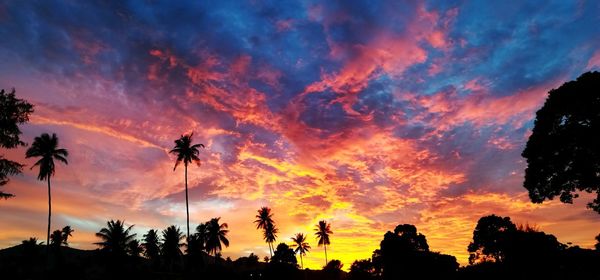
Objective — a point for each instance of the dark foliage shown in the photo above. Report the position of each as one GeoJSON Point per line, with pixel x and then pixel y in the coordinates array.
{"type": "Point", "coordinates": [405, 253]}
{"type": "Point", "coordinates": [284, 255]}
{"type": "Point", "coordinates": [13, 112]}
{"type": "Point", "coordinates": [490, 239]}
{"type": "Point", "coordinates": [563, 155]}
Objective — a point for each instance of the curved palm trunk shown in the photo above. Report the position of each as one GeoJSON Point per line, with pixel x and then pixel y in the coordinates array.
{"type": "Point", "coordinates": [187, 209]}
{"type": "Point", "coordinates": [49, 216]}
{"type": "Point", "coordinates": [325, 254]}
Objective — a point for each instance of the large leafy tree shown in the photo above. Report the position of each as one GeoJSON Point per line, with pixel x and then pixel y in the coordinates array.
{"type": "Point", "coordinates": [187, 153]}
{"type": "Point", "coordinates": [490, 239]}
{"type": "Point", "coordinates": [13, 112]}
{"type": "Point", "coordinates": [45, 147]}
{"type": "Point", "coordinates": [284, 255]}
{"type": "Point", "coordinates": [563, 151]}
{"type": "Point", "coordinates": [322, 232]}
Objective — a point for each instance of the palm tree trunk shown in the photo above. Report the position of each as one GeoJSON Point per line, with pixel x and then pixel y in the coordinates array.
{"type": "Point", "coordinates": [49, 216]}
{"type": "Point", "coordinates": [187, 209]}
{"type": "Point", "coordinates": [270, 250]}
{"type": "Point", "coordinates": [301, 261]}
{"type": "Point", "coordinates": [325, 254]}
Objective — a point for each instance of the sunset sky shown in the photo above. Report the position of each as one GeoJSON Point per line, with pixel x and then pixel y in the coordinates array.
{"type": "Point", "coordinates": [366, 114]}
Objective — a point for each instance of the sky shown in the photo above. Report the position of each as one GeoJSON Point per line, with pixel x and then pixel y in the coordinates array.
{"type": "Point", "coordinates": [366, 114]}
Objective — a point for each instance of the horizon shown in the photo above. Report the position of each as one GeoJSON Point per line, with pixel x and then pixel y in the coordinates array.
{"type": "Point", "coordinates": [363, 115]}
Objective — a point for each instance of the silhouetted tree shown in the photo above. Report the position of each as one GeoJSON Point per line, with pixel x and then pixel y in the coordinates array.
{"type": "Point", "coordinates": [66, 233]}
{"type": "Point", "coordinates": [322, 231]}
{"type": "Point", "coordinates": [171, 245]}
{"type": "Point", "coordinates": [115, 238]}
{"type": "Point", "coordinates": [301, 245]}
{"type": "Point", "coordinates": [363, 270]}
{"type": "Point", "coordinates": [13, 112]}
{"type": "Point", "coordinates": [490, 239]}
{"type": "Point", "coordinates": [46, 148]}
{"type": "Point", "coordinates": [151, 245]}
{"type": "Point", "coordinates": [284, 255]}
{"type": "Point", "coordinates": [405, 253]}
{"type": "Point", "coordinates": [186, 153]}
{"type": "Point", "coordinates": [264, 221]}
{"type": "Point", "coordinates": [563, 155]}
{"type": "Point", "coordinates": [134, 248]}
{"type": "Point", "coordinates": [217, 235]}
{"type": "Point", "coordinates": [202, 235]}
{"type": "Point", "coordinates": [270, 236]}
{"type": "Point", "coordinates": [333, 269]}
{"type": "Point", "coordinates": [56, 239]}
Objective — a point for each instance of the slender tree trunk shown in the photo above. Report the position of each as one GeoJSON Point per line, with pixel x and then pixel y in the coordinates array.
{"type": "Point", "coordinates": [187, 209]}
{"type": "Point", "coordinates": [49, 216]}
{"type": "Point", "coordinates": [301, 261]}
{"type": "Point", "coordinates": [270, 250]}
{"type": "Point", "coordinates": [325, 254]}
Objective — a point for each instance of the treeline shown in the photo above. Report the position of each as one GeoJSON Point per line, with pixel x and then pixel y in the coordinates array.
{"type": "Point", "coordinates": [499, 250]}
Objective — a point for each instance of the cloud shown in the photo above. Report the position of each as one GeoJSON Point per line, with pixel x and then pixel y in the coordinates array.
{"type": "Point", "coordinates": [367, 115]}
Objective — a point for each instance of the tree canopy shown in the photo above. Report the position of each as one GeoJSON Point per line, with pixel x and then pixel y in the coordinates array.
{"type": "Point", "coordinates": [13, 112]}
{"type": "Point", "coordinates": [563, 154]}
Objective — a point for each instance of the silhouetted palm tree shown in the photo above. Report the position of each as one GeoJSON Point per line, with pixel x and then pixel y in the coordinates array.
{"type": "Point", "coordinates": [134, 248]}
{"type": "Point", "coordinates": [270, 236]}
{"type": "Point", "coordinates": [186, 153]}
{"type": "Point", "coordinates": [66, 233]}
{"type": "Point", "coordinates": [301, 245]}
{"type": "Point", "coordinates": [264, 220]}
{"type": "Point", "coordinates": [56, 239]}
{"type": "Point", "coordinates": [202, 235]}
{"type": "Point", "coordinates": [217, 234]}
{"type": "Point", "coordinates": [46, 147]}
{"type": "Point", "coordinates": [171, 245]}
{"type": "Point", "coordinates": [322, 231]}
{"type": "Point", "coordinates": [151, 245]}
{"type": "Point", "coordinates": [115, 237]}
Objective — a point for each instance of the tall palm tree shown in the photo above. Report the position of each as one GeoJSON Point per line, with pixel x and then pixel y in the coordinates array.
{"type": "Point", "coordinates": [186, 153]}
{"type": "Point", "coordinates": [115, 237]}
{"type": "Point", "coordinates": [217, 234]}
{"type": "Point", "coordinates": [46, 148]}
{"type": "Point", "coordinates": [301, 245]}
{"type": "Point", "coordinates": [151, 245]}
{"type": "Point", "coordinates": [171, 245]}
{"type": "Point", "coordinates": [322, 231]}
{"type": "Point", "coordinates": [264, 220]}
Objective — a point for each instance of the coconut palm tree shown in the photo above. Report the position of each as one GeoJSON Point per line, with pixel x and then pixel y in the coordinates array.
{"type": "Point", "coordinates": [270, 236]}
{"type": "Point", "coordinates": [66, 233]}
{"type": "Point", "coordinates": [151, 245]}
{"type": "Point", "coordinates": [264, 220]}
{"type": "Point", "coordinates": [301, 245]}
{"type": "Point", "coordinates": [322, 231]}
{"type": "Point", "coordinates": [134, 248]}
{"type": "Point", "coordinates": [171, 245]}
{"type": "Point", "coordinates": [186, 153]}
{"type": "Point", "coordinates": [217, 234]}
{"type": "Point", "coordinates": [46, 148]}
{"type": "Point", "coordinates": [202, 234]}
{"type": "Point", "coordinates": [115, 237]}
